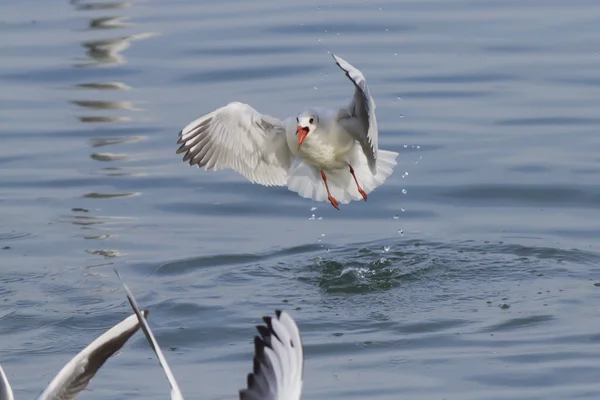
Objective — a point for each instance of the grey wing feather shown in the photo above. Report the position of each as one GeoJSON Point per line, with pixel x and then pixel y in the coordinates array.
{"type": "Point", "coordinates": [359, 117]}
{"type": "Point", "coordinates": [6, 392]}
{"type": "Point", "coordinates": [77, 373]}
{"type": "Point", "coordinates": [238, 137]}
{"type": "Point", "coordinates": [278, 365]}
{"type": "Point", "coordinates": [175, 391]}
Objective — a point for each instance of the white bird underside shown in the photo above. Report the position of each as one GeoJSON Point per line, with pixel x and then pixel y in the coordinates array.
{"type": "Point", "coordinates": [278, 364]}
{"type": "Point", "coordinates": [77, 373]}
{"type": "Point", "coordinates": [342, 143]}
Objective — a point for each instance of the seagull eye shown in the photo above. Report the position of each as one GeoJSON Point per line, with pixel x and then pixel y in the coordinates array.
{"type": "Point", "coordinates": [311, 120]}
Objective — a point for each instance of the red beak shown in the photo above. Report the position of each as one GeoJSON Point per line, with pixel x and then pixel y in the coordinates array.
{"type": "Point", "coordinates": [302, 133]}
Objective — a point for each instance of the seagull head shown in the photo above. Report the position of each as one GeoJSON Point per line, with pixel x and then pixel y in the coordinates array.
{"type": "Point", "coordinates": [307, 122]}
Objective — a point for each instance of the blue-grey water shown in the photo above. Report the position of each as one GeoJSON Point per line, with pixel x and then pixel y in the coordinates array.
{"type": "Point", "coordinates": [469, 275]}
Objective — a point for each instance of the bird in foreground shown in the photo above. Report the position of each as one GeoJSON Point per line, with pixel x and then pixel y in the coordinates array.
{"type": "Point", "coordinates": [337, 150]}
{"type": "Point", "coordinates": [77, 373]}
{"type": "Point", "coordinates": [278, 364]}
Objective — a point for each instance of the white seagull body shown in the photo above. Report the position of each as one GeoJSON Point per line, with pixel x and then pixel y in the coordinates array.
{"type": "Point", "coordinates": [77, 373]}
{"type": "Point", "coordinates": [278, 365]}
{"type": "Point", "coordinates": [338, 149]}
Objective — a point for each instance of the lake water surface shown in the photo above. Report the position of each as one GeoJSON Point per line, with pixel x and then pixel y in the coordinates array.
{"type": "Point", "coordinates": [469, 275]}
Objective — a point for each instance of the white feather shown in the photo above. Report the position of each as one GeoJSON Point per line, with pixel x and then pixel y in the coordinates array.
{"type": "Point", "coordinates": [6, 392]}
{"type": "Point", "coordinates": [76, 374]}
{"type": "Point", "coordinates": [278, 361]}
{"type": "Point", "coordinates": [306, 180]}
{"type": "Point", "coordinates": [175, 391]}
{"type": "Point", "coordinates": [238, 137]}
{"type": "Point", "coordinates": [263, 148]}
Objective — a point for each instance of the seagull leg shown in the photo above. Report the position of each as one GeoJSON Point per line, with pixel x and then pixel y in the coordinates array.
{"type": "Point", "coordinates": [329, 196]}
{"type": "Point", "coordinates": [360, 190]}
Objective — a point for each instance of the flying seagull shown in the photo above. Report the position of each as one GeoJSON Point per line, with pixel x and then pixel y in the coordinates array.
{"type": "Point", "coordinates": [337, 149]}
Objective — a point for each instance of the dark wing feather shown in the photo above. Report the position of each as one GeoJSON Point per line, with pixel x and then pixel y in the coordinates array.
{"type": "Point", "coordinates": [278, 364]}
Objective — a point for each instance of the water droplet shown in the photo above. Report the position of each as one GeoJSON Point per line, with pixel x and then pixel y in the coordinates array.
{"type": "Point", "coordinates": [401, 232]}
{"type": "Point", "coordinates": [403, 209]}
{"type": "Point", "coordinates": [396, 216]}
{"type": "Point", "coordinates": [312, 217]}
{"type": "Point", "coordinates": [405, 146]}
{"type": "Point", "coordinates": [325, 30]}
{"type": "Point", "coordinates": [395, 53]}
{"type": "Point", "coordinates": [387, 30]}
{"type": "Point", "coordinates": [313, 208]}
{"type": "Point", "coordinates": [403, 191]}
{"type": "Point", "coordinates": [316, 88]}
{"type": "Point", "coordinates": [418, 147]}
{"type": "Point", "coordinates": [398, 98]}
{"type": "Point", "coordinates": [322, 234]}
{"type": "Point", "coordinates": [320, 218]}
{"type": "Point", "coordinates": [386, 248]}
{"type": "Point", "coordinates": [504, 306]}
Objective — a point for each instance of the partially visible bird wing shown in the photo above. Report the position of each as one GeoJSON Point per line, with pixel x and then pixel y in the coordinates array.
{"type": "Point", "coordinates": [278, 368]}
{"type": "Point", "coordinates": [237, 136]}
{"type": "Point", "coordinates": [359, 117]}
{"type": "Point", "coordinates": [6, 392]}
{"type": "Point", "coordinates": [175, 391]}
{"type": "Point", "coordinates": [77, 373]}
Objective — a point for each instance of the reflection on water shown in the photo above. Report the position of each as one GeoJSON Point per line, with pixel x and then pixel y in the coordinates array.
{"type": "Point", "coordinates": [105, 52]}
{"type": "Point", "coordinates": [108, 157]}
{"type": "Point", "coordinates": [104, 118]}
{"type": "Point", "coordinates": [105, 105]}
{"type": "Point", "coordinates": [101, 142]}
{"type": "Point", "coordinates": [104, 86]}
{"type": "Point", "coordinates": [96, 5]}
{"type": "Point", "coordinates": [109, 23]}
{"type": "Point", "coordinates": [96, 195]}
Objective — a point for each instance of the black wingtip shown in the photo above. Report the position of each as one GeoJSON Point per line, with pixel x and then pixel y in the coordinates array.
{"type": "Point", "coordinates": [181, 148]}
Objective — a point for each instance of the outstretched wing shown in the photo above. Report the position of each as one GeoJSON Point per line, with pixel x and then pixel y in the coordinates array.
{"type": "Point", "coordinates": [278, 361]}
{"type": "Point", "coordinates": [359, 117]}
{"type": "Point", "coordinates": [240, 138]}
{"type": "Point", "coordinates": [77, 373]}
{"type": "Point", "coordinates": [6, 392]}
{"type": "Point", "coordinates": [175, 391]}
